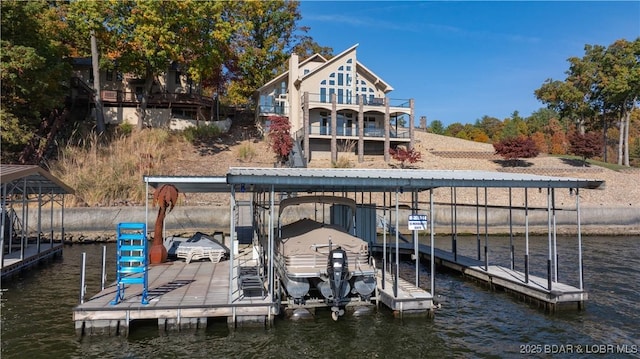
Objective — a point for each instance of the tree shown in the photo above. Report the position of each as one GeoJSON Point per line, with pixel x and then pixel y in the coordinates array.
{"type": "Point", "coordinates": [34, 76]}
{"type": "Point", "coordinates": [261, 45]}
{"type": "Point", "coordinates": [280, 137]}
{"type": "Point", "coordinates": [491, 126]}
{"type": "Point", "coordinates": [515, 148]}
{"type": "Point", "coordinates": [145, 37]}
{"type": "Point", "coordinates": [402, 154]}
{"type": "Point", "coordinates": [436, 127]}
{"type": "Point", "coordinates": [586, 145]}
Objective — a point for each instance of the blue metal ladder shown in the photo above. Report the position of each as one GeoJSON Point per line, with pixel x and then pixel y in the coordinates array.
{"type": "Point", "coordinates": [132, 261]}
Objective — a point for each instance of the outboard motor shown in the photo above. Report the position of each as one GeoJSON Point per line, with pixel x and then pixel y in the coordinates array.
{"type": "Point", "coordinates": [338, 271]}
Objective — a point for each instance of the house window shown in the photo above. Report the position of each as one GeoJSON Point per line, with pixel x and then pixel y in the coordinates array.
{"type": "Point", "coordinates": [340, 96]}
{"type": "Point", "coordinates": [340, 79]}
{"type": "Point", "coordinates": [110, 75]}
{"type": "Point", "coordinates": [323, 94]}
{"type": "Point", "coordinates": [176, 79]}
{"type": "Point", "coordinates": [306, 71]}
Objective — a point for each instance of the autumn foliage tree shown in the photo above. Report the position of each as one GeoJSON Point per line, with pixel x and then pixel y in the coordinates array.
{"type": "Point", "coordinates": [280, 137]}
{"type": "Point", "coordinates": [515, 148]}
{"type": "Point", "coordinates": [402, 154]}
{"type": "Point", "coordinates": [586, 146]}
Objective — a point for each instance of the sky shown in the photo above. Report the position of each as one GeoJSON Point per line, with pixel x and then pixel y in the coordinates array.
{"type": "Point", "coordinates": [461, 61]}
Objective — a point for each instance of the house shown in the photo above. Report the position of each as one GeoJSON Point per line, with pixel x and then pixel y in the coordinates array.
{"type": "Point", "coordinates": [336, 104]}
{"type": "Point", "coordinates": [174, 102]}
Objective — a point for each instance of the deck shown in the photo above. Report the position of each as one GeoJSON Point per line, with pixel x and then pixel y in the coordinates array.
{"type": "Point", "coordinates": [181, 296]}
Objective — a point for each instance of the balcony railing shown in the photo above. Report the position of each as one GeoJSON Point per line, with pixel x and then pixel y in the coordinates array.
{"type": "Point", "coordinates": [353, 100]}
{"type": "Point", "coordinates": [273, 110]}
{"type": "Point", "coordinates": [353, 132]}
{"type": "Point", "coordinates": [115, 96]}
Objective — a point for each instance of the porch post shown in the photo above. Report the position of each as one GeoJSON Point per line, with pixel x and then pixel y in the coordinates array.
{"type": "Point", "coordinates": [411, 124]}
{"type": "Point", "coordinates": [334, 125]}
{"type": "Point", "coordinates": [360, 129]}
{"type": "Point", "coordinates": [387, 142]}
{"type": "Point", "coordinates": [307, 127]}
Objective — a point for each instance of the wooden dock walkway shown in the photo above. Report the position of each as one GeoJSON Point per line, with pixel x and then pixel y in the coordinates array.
{"type": "Point", "coordinates": [535, 289]}
{"type": "Point", "coordinates": [14, 262]}
{"type": "Point", "coordinates": [181, 296]}
{"type": "Point", "coordinates": [409, 299]}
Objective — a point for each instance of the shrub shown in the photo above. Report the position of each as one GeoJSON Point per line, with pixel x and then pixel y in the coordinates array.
{"type": "Point", "coordinates": [246, 152]}
{"type": "Point", "coordinates": [280, 139]}
{"type": "Point", "coordinates": [201, 133]}
{"type": "Point", "coordinates": [586, 146]}
{"type": "Point", "coordinates": [402, 154]}
{"type": "Point", "coordinates": [514, 148]}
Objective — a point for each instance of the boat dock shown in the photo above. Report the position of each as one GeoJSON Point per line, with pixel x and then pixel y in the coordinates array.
{"type": "Point", "coordinates": [181, 296]}
{"type": "Point", "coordinates": [24, 244]}
{"type": "Point", "coordinates": [525, 286]}
{"type": "Point", "coordinates": [186, 295]}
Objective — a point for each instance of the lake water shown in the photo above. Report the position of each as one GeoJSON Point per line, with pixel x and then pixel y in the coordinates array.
{"type": "Point", "coordinates": [36, 312]}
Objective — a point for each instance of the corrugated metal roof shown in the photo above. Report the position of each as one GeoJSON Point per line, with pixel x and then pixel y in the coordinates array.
{"type": "Point", "coordinates": [379, 180]}
{"type": "Point", "coordinates": [360, 180]}
{"type": "Point", "coordinates": [191, 184]}
{"type": "Point", "coordinates": [36, 179]}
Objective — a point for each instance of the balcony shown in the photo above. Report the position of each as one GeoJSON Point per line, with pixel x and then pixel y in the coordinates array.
{"type": "Point", "coordinates": [370, 132]}
{"type": "Point", "coordinates": [157, 99]}
{"type": "Point", "coordinates": [353, 100]}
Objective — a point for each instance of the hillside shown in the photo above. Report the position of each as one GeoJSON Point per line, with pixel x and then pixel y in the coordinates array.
{"type": "Point", "coordinates": [438, 152]}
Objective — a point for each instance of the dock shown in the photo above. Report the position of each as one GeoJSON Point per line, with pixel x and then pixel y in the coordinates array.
{"type": "Point", "coordinates": [181, 296]}
{"type": "Point", "coordinates": [32, 254]}
{"type": "Point", "coordinates": [526, 287]}
{"type": "Point", "coordinates": [186, 296]}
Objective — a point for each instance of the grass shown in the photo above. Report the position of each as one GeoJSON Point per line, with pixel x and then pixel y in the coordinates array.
{"type": "Point", "coordinates": [246, 151]}
{"type": "Point", "coordinates": [108, 171]}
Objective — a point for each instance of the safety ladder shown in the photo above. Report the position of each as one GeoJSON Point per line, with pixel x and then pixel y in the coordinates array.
{"type": "Point", "coordinates": [131, 259]}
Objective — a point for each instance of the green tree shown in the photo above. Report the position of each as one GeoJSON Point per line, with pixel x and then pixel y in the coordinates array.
{"type": "Point", "coordinates": [34, 73]}
{"type": "Point", "coordinates": [145, 37]}
{"type": "Point", "coordinates": [436, 127]}
{"type": "Point", "coordinates": [491, 126]}
{"type": "Point", "coordinates": [265, 36]}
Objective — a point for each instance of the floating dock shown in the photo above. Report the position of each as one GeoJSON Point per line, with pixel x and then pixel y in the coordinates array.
{"type": "Point", "coordinates": [527, 287]}
{"type": "Point", "coordinates": [181, 295]}
{"type": "Point", "coordinates": [185, 296]}
{"type": "Point", "coordinates": [31, 255]}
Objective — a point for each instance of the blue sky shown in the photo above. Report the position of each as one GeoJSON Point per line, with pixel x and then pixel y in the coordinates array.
{"type": "Point", "coordinates": [463, 60]}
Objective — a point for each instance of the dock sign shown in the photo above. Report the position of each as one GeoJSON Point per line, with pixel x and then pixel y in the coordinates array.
{"type": "Point", "coordinates": [417, 222]}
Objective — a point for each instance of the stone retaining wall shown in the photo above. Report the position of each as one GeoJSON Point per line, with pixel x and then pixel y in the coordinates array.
{"type": "Point", "coordinates": [101, 222]}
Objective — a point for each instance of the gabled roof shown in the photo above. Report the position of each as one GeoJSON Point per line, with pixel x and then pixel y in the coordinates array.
{"type": "Point", "coordinates": [33, 180]}
{"type": "Point", "coordinates": [326, 63]}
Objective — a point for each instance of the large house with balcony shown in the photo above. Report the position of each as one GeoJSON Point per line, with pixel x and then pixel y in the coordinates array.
{"type": "Point", "coordinates": [336, 104]}
{"type": "Point", "coordinates": [174, 102]}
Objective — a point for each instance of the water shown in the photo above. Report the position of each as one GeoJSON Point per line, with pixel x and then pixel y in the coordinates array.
{"type": "Point", "coordinates": [473, 322]}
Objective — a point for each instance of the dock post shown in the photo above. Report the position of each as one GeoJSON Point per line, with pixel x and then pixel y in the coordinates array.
{"type": "Point", "coordinates": [526, 236]}
{"type": "Point", "coordinates": [384, 238]}
{"type": "Point", "coordinates": [397, 271]}
{"type": "Point", "coordinates": [414, 205]}
{"type": "Point", "coordinates": [555, 237]}
{"type": "Point", "coordinates": [455, 224]}
{"type": "Point", "coordinates": [432, 230]}
{"type": "Point", "coordinates": [82, 273]}
{"type": "Point", "coordinates": [549, 237]}
{"type": "Point", "coordinates": [580, 273]}
{"type": "Point", "coordinates": [511, 249]}
{"type": "Point", "coordinates": [104, 267]}
{"type": "Point", "coordinates": [486, 233]}
{"type": "Point", "coordinates": [478, 222]}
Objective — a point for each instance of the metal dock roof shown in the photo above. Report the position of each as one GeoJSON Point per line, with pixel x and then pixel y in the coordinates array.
{"type": "Point", "coordinates": [36, 179]}
{"type": "Point", "coordinates": [361, 180]}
